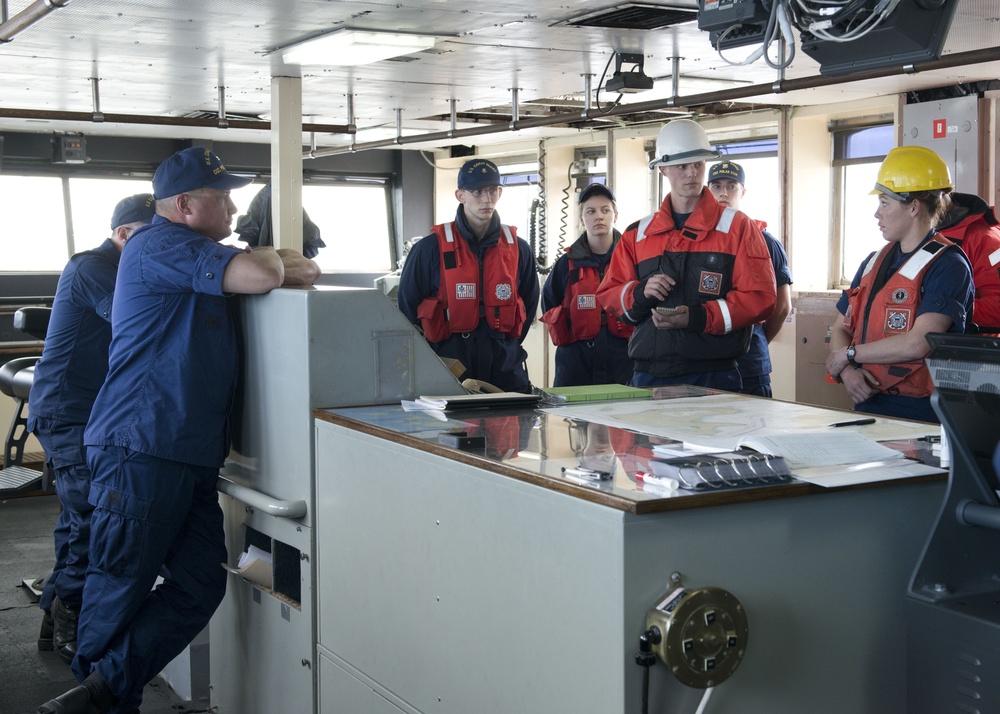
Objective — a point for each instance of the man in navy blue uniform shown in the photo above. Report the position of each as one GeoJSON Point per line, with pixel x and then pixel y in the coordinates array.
{"type": "Point", "coordinates": [471, 285]}
{"type": "Point", "coordinates": [159, 433]}
{"type": "Point", "coordinates": [591, 346]}
{"type": "Point", "coordinates": [727, 182]}
{"type": "Point", "coordinates": [65, 385]}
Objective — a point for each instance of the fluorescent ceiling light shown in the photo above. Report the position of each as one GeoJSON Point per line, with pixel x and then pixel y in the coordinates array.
{"type": "Point", "coordinates": [354, 47]}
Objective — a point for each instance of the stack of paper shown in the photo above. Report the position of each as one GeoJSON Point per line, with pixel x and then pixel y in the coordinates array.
{"type": "Point", "coordinates": [820, 448]}
{"type": "Point", "coordinates": [471, 401]}
{"type": "Point", "coordinates": [254, 565]}
{"type": "Point", "coordinates": [838, 458]}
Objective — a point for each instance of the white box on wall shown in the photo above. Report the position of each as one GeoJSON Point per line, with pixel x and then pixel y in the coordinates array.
{"type": "Point", "coordinates": [950, 128]}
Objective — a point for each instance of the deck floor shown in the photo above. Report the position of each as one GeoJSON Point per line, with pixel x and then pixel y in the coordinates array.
{"type": "Point", "coordinates": [28, 677]}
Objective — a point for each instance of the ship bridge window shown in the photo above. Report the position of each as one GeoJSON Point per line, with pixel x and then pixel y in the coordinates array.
{"type": "Point", "coordinates": [857, 154]}
{"type": "Point", "coordinates": [49, 218]}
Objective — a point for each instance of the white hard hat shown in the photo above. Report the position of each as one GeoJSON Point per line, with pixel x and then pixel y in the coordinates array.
{"type": "Point", "coordinates": [682, 141]}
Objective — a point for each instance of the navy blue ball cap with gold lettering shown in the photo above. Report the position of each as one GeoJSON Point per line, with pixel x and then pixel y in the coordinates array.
{"type": "Point", "coordinates": [478, 173]}
{"type": "Point", "coordinates": [139, 208]}
{"type": "Point", "coordinates": [727, 170]}
{"type": "Point", "coordinates": [191, 169]}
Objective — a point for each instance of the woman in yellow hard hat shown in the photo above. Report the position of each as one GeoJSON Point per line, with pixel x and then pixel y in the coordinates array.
{"type": "Point", "coordinates": [919, 282]}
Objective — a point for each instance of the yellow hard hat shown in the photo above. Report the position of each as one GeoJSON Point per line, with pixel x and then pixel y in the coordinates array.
{"type": "Point", "coordinates": [909, 169]}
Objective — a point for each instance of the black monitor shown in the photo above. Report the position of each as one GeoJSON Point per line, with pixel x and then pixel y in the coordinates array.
{"type": "Point", "coordinates": [966, 374]}
{"type": "Point", "coordinates": [915, 31]}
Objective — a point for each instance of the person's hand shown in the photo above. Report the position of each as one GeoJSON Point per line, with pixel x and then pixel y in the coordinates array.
{"type": "Point", "coordinates": [658, 286]}
{"type": "Point", "coordinates": [859, 383]}
{"type": "Point", "coordinates": [677, 321]}
{"type": "Point", "coordinates": [836, 361]}
{"type": "Point", "coordinates": [299, 270]}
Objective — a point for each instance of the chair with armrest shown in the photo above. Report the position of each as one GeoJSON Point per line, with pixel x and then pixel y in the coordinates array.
{"type": "Point", "coordinates": [15, 381]}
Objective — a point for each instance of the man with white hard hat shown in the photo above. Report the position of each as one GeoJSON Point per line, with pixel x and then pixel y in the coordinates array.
{"type": "Point", "coordinates": [694, 277]}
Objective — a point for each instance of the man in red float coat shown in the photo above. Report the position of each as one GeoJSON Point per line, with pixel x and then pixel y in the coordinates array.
{"type": "Point", "coordinates": [971, 224]}
{"type": "Point", "coordinates": [708, 263]}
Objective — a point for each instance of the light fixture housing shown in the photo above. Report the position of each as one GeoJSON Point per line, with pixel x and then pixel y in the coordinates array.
{"type": "Point", "coordinates": [628, 82]}
{"type": "Point", "coordinates": [347, 48]}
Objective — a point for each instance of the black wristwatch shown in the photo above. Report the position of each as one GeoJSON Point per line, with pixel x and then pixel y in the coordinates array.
{"type": "Point", "coordinates": [851, 352]}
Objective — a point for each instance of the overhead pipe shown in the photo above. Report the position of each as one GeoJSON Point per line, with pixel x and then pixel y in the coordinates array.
{"type": "Point", "coordinates": [350, 119]}
{"type": "Point", "coordinates": [958, 59]}
{"type": "Point", "coordinates": [27, 17]}
{"type": "Point", "coordinates": [675, 77]}
{"type": "Point", "coordinates": [515, 112]}
{"type": "Point", "coordinates": [223, 122]}
{"type": "Point", "coordinates": [209, 123]}
{"type": "Point", "coordinates": [97, 116]}
{"type": "Point", "coordinates": [781, 56]}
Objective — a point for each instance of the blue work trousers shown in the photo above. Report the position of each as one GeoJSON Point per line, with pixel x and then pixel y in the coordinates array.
{"type": "Point", "coordinates": [894, 405]}
{"type": "Point", "coordinates": [726, 379]}
{"type": "Point", "coordinates": [151, 517]}
{"type": "Point", "coordinates": [602, 360]}
{"type": "Point", "coordinates": [758, 385]}
{"type": "Point", "coordinates": [72, 537]}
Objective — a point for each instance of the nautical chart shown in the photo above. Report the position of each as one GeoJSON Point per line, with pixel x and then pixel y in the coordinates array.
{"type": "Point", "coordinates": [722, 420]}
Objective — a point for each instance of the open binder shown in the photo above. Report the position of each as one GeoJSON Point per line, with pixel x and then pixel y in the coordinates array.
{"type": "Point", "coordinates": [724, 470]}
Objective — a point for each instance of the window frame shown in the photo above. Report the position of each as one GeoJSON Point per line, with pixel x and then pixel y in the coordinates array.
{"type": "Point", "coordinates": [116, 170]}
{"type": "Point", "coordinates": [841, 275]}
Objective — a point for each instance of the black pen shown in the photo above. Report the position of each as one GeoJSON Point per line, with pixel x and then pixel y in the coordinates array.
{"type": "Point", "coordinates": [856, 422]}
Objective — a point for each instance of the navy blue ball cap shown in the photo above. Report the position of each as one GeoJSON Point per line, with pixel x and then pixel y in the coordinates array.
{"type": "Point", "coordinates": [595, 189]}
{"type": "Point", "coordinates": [191, 169]}
{"type": "Point", "coordinates": [478, 173]}
{"type": "Point", "coordinates": [727, 170]}
{"type": "Point", "coordinates": [139, 208]}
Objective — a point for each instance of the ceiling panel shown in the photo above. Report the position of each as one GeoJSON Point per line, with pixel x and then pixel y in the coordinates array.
{"type": "Point", "coordinates": [170, 59]}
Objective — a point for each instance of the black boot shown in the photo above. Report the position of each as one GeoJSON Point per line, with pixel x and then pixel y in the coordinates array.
{"type": "Point", "coordinates": [91, 697]}
{"type": "Point", "coordinates": [45, 634]}
{"type": "Point", "coordinates": [64, 618]}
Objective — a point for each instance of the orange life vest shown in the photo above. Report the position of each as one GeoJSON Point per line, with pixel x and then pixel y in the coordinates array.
{"type": "Point", "coordinates": [580, 315]}
{"type": "Point", "coordinates": [891, 311]}
{"type": "Point", "coordinates": [469, 291]}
